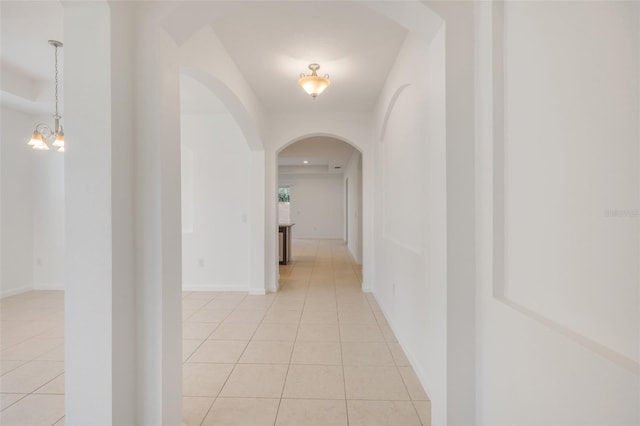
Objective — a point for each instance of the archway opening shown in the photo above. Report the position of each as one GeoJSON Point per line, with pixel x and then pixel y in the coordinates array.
{"type": "Point", "coordinates": [319, 195]}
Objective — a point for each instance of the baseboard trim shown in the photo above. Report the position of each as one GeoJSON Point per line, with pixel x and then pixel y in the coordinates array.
{"type": "Point", "coordinates": [214, 287]}
{"type": "Point", "coordinates": [341, 238]}
{"type": "Point", "coordinates": [257, 292]}
{"type": "Point", "coordinates": [48, 286]}
{"type": "Point", "coordinates": [13, 292]}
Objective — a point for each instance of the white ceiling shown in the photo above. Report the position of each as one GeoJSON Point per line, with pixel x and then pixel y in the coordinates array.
{"type": "Point", "coordinates": [26, 58]}
{"type": "Point", "coordinates": [324, 155]}
{"type": "Point", "coordinates": [271, 43]}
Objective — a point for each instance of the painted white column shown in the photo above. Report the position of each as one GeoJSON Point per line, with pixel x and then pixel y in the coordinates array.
{"type": "Point", "coordinates": [99, 306]}
{"type": "Point", "coordinates": [158, 220]}
{"type": "Point", "coordinates": [271, 217]}
{"type": "Point", "coordinates": [122, 184]}
{"type": "Point", "coordinates": [257, 247]}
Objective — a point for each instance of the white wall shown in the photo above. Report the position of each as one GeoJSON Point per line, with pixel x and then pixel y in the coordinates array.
{"type": "Point", "coordinates": [215, 242]}
{"type": "Point", "coordinates": [559, 314]}
{"type": "Point", "coordinates": [32, 208]}
{"type": "Point", "coordinates": [353, 209]}
{"type": "Point", "coordinates": [410, 211]}
{"type": "Point", "coordinates": [48, 221]}
{"type": "Point", "coordinates": [17, 169]}
{"type": "Point", "coordinates": [317, 205]}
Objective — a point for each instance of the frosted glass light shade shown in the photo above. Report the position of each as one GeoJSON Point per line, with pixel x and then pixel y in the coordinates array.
{"type": "Point", "coordinates": [59, 142]}
{"type": "Point", "coordinates": [314, 84]}
{"type": "Point", "coordinates": [36, 139]}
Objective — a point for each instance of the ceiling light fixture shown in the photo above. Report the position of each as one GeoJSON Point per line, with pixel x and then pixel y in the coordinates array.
{"type": "Point", "coordinates": [43, 133]}
{"type": "Point", "coordinates": [306, 162]}
{"type": "Point", "coordinates": [313, 84]}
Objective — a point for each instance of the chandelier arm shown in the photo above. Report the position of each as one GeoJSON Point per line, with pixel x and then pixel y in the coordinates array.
{"type": "Point", "coordinates": [45, 131]}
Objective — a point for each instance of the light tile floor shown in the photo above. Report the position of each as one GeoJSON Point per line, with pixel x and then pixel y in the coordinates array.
{"type": "Point", "coordinates": [318, 352]}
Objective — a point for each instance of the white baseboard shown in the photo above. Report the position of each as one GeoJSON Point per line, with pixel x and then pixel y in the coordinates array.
{"type": "Point", "coordinates": [48, 286]}
{"type": "Point", "coordinates": [14, 291]}
{"type": "Point", "coordinates": [257, 291]}
{"type": "Point", "coordinates": [315, 237]}
{"type": "Point", "coordinates": [214, 287]}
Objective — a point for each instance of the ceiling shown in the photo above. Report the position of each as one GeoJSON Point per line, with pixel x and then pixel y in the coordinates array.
{"type": "Point", "coordinates": [26, 59]}
{"type": "Point", "coordinates": [271, 42]}
{"type": "Point", "coordinates": [324, 155]}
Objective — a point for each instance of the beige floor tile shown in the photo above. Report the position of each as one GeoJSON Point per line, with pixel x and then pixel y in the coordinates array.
{"type": "Point", "coordinates": [366, 353]}
{"type": "Point", "coordinates": [314, 381]}
{"type": "Point", "coordinates": [258, 302]}
{"type": "Point", "coordinates": [282, 316]}
{"type": "Point", "coordinates": [374, 383]}
{"type": "Point", "coordinates": [312, 412]}
{"type": "Point", "coordinates": [382, 413]}
{"type": "Point", "coordinates": [198, 330]}
{"type": "Point", "coordinates": [357, 317]}
{"type": "Point", "coordinates": [267, 352]}
{"type": "Point", "coordinates": [34, 410]}
{"type": "Point", "coordinates": [320, 305]}
{"type": "Point", "coordinates": [56, 354]}
{"type": "Point", "coordinates": [387, 333]}
{"type": "Point", "coordinates": [360, 333]}
{"type": "Point", "coordinates": [319, 317]}
{"type": "Point", "coordinates": [245, 316]}
{"type": "Point", "coordinates": [416, 391]}
{"type": "Point", "coordinates": [219, 351]}
{"type": "Point", "coordinates": [30, 376]}
{"type": "Point", "coordinates": [283, 332]}
{"type": "Point", "coordinates": [234, 332]}
{"type": "Point", "coordinates": [189, 346]}
{"type": "Point", "coordinates": [398, 354]}
{"type": "Point", "coordinates": [242, 412]}
{"type": "Point", "coordinates": [6, 366]}
{"type": "Point", "coordinates": [204, 379]}
{"type": "Point", "coordinates": [6, 399]}
{"type": "Point", "coordinates": [221, 303]}
{"type": "Point", "coordinates": [193, 304]}
{"type": "Point", "coordinates": [424, 411]}
{"type": "Point", "coordinates": [318, 353]}
{"type": "Point", "coordinates": [60, 422]}
{"type": "Point", "coordinates": [210, 315]}
{"type": "Point", "coordinates": [253, 380]}
{"type": "Point", "coordinates": [319, 333]}
{"type": "Point", "coordinates": [194, 409]}
{"type": "Point", "coordinates": [54, 387]}
{"type": "Point", "coordinates": [30, 349]}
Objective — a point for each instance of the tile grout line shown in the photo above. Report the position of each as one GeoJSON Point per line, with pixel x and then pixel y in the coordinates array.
{"type": "Point", "coordinates": [395, 363]}
{"type": "Point", "coordinates": [344, 377]}
{"type": "Point", "coordinates": [275, 420]}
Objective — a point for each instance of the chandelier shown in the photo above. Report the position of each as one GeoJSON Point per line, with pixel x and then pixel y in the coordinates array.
{"type": "Point", "coordinates": [43, 134]}
{"type": "Point", "coordinates": [313, 84]}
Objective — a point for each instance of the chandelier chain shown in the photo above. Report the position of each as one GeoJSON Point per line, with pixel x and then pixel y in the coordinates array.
{"type": "Point", "coordinates": [56, 64]}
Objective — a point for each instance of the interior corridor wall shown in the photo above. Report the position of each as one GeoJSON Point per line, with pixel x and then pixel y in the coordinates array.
{"type": "Point", "coordinates": [317, 205]}
{"type": "Point", "coordinates": [48, 221]}
{"type": "Point", "coordinates": [353, 209]}
{"type": "Point", "coordinates": [410, 211]}
{"type": "Point", "coordinates": [17, 202]}
{"type": "Point", "coordinates": [215, 203]}
{"type": "Point", "coordinates": [558, 194]}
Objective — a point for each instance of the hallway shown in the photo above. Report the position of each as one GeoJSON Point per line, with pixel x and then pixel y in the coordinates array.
{"type": "Point", "coordinates": [318, 352]}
